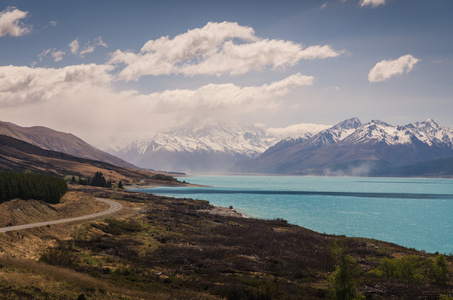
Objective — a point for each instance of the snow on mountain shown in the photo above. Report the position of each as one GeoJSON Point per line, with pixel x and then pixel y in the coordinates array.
{"type": "Point", "coordinates": [353, 131]}
{"type": "Point", "coordinates": [351, 147]}
{"type": "Point", "coordinates": [378, 131]}
{"type": "Point", "coordinates": [205, 146]}
{"type": "Point", "coordinates": [430, 132]}
{"type": "Point", "coordinates": [213, 147]}
{"type": "Point", "coordinates": [217, 138]}
{"type": "Point", "coordinates": [336, 133]}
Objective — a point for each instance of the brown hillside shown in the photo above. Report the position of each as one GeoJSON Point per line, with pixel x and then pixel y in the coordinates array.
{"type": "Point", "coordinates": [49, 139]}
{"type": "Point", "coordinates": [19, 156]}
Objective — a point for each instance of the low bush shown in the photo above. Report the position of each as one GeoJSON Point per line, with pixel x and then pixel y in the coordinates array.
{"type": "Point", "coordinates": [118, 227]}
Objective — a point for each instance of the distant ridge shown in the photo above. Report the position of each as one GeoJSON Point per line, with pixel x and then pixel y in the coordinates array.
{"type": "Point", "coordinates": [19, 156]}
{"type": "Point", "coordinates": [352, 148]}
{"type": "Point", "coordinates": [50, 139]}
{"type": "Point", "coordinates": [433, 168]}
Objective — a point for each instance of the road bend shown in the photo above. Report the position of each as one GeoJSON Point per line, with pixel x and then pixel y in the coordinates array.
{"type": "Point", "coordinates": [114, 207]}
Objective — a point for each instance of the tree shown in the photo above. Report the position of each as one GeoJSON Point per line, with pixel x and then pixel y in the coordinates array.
{"type": "Point", "coordinates": [389, 267]}
{"type": "Point", "coordinates": [120, 184]}
{"type": "Point", "coordinates": [439, 270]}
{"type": "Point", "coordinates": [343, 281]}
{"type": "Point", "coordinates": [410, 269]}
{"type": "Point", "coordinates": [99, 180]}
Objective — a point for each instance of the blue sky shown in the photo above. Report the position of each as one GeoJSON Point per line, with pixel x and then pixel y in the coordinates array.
{"type": "Point", "coordinates": [132, 68]}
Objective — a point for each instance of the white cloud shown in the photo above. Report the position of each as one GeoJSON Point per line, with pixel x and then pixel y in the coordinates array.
{"type": "Point", "coordinates": [297, 130]}
{"type": "Point", "coordinates": [74, 46]}
{"type": "Point", "coordinates": [24, 85]}
{"type": "Point", "coordinates": [99, 42]}
{"type": "Point", "coordinates": [225, 95]}
{"type": "Point", "coordinates": [215, 49]}
{"type": "Point", "coordinates": [88, 49]}
{"type": "Point", "coordinates": [373, 3]}
{"type": "Point", "coordinates": [10, 24]}
{"type": "Point", "coordinates": [56, 55]}
{"type": "Point", "coordinates": [51, 24]}
{"type": "Point", "coordinates": [385, 69]}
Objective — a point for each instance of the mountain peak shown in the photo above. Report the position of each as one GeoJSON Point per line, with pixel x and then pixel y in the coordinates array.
{"type": "Point", "coordinates": [379, 122]}
{"type": "Point", "coordinates": [351, 123]}
{"type": "Point", "coordinates": [430, 122]}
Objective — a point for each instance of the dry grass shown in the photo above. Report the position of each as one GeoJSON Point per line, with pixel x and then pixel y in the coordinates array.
{"type": "Point", "coordinates": [45, 281]}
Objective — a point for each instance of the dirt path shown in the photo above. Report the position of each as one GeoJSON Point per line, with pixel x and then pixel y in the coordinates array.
{"type": "Point", "coordinates": [114, 207]}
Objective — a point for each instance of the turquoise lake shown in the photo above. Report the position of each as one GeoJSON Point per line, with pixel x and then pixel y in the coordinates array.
{"type": "Point", "coordinates": [416, 213]}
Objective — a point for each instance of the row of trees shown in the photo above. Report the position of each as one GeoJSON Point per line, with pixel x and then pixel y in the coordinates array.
{"type": "Point", "coordinates": [97, 180]}
{"type": "Point", "coordinates": [28, 186]}
{"type": "Point", "coordinates": [343, 282]}
{"type": "Point", "coordinates": [413, 269]}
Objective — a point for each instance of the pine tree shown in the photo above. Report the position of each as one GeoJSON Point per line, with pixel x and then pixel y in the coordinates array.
{"type": "Point", "coordinates": [99, 180]}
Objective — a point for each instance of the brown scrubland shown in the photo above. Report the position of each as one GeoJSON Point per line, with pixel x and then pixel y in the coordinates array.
{"type": "Point", "coordinates": [167, 248]}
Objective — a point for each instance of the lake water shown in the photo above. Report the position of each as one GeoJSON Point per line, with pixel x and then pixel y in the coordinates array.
{"type": "Point", "coordinates": [416, 213]}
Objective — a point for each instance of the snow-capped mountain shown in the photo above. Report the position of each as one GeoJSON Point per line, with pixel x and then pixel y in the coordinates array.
{"type": "Point", "coordinates": [336, 133]}
{"type": "Point", "coordinates": [354, 148]}
{"type": "Point", "coordinates": [205, 147]}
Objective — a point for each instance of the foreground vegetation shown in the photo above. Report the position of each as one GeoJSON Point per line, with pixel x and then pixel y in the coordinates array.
{"type": "Point", "coordinates": [168, 248]}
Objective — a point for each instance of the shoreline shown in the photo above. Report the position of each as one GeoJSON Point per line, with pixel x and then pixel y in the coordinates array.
{"type": "Point", "coordinates": [136, 187]}
{"type": "Point", "coordinates": [216, 210]}
{"type": "Point", "coordinates": [228, 210]}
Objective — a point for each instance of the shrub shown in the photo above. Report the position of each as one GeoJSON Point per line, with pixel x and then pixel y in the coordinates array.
{"type": "Point", "coordinates": [117, 227]}
{"type": "Point", "coordinates": [59, 256]}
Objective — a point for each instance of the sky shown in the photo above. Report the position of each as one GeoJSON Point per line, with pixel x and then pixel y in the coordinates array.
{"type": "Point", "coordinates": [116, 70]}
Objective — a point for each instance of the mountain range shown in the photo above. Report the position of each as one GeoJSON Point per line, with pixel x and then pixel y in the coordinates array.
{"type": "Point", "coordinates": [354, 148]}
{"type": "Point", "coordinates": [204, 146]}
{"type": "Point", "coordinates": [348, 148]}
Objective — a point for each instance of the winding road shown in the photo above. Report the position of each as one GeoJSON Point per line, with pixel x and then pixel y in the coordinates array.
{"type": "Point", "coordinates": [114, 207]}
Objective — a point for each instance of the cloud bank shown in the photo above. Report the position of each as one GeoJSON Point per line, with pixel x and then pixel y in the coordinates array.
{"type": "Point", "coordinates": [385, 69]}
{"type": "Point", "coordinates": [24, 85]}
{"type": "Point", "coordinates": [297, 130]}
{"type": "Point", "coordinates": [82, 99]}
{"type": "Point", "coordinates": [215, 49]}
{"type": "Point", "coordinates": [10, 22]}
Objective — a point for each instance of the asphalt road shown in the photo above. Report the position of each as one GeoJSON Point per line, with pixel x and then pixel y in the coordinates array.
{"type": "Point", "coordinates": [114, 206]}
